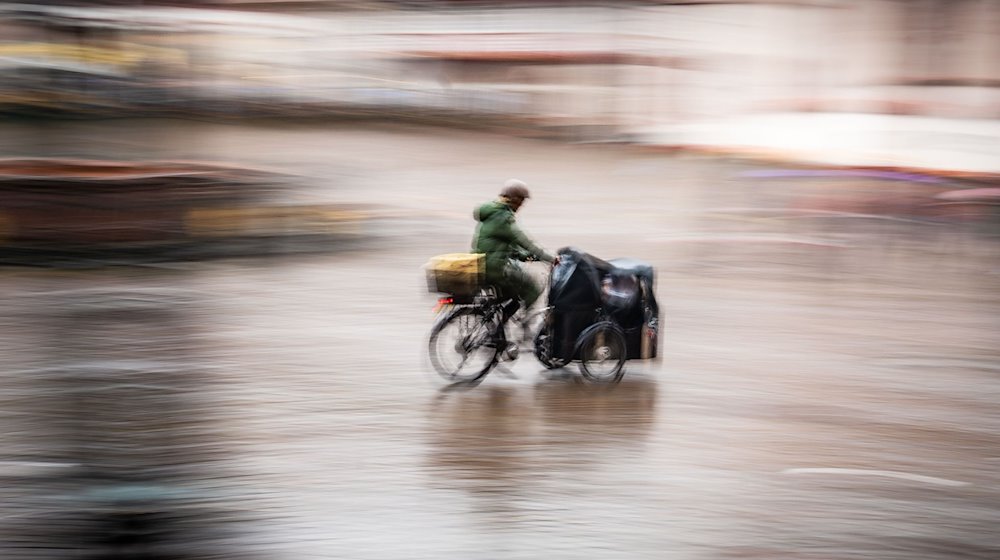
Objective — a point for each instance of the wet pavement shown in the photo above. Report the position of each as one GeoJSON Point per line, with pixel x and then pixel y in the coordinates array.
{"type": "Point", "coordinates": [827, 385]}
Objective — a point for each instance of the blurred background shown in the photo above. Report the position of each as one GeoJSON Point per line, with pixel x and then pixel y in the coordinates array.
{"type": "Point", "coordinates": [214, 217]}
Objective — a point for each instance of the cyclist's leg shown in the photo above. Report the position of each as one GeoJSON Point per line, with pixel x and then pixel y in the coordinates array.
{"type": "Point", "coordinates": [522, 289]}
{"type": "Point", "coordinates": [506, 294]}
{"type": "Point", "coordinates": [522, 284]}
{"type": "Point", "coordinates": [512, 301]}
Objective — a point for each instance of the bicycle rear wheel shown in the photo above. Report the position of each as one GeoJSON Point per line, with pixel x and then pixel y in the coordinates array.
{"type": "Point", "coordinates": [463, 346]}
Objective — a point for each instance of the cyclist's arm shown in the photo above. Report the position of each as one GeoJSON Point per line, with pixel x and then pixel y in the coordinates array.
{"type": "Point", "coordinates": [527, 245]}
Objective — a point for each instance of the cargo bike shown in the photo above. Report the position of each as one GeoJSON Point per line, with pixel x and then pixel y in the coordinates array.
{"type": "Point", "coordinates": [599, 314]}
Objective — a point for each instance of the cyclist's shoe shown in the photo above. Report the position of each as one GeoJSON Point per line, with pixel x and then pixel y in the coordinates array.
{"type": "Point", "coordinates": [510, 353]}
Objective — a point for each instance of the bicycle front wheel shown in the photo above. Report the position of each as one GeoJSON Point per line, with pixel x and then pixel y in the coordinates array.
{"type": "Point", "coordinates": [463, 347]}
{"type": "Point", "coordinates": [602, 352]}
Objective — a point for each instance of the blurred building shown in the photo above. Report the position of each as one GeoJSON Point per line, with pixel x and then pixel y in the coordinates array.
{"type": "Point", "coordinates": [614, 69]}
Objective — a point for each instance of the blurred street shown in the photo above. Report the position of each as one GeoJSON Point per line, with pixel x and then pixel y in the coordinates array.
{"type": "Point", "coordinates": [827, 388]}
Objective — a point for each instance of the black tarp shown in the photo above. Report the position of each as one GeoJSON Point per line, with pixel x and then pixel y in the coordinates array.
{"type": "Point", "coordinates": [576, 296]}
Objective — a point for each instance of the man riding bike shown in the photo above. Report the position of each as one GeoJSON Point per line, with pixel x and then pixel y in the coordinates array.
{"type": "Point", "coordinates": [499, 237]}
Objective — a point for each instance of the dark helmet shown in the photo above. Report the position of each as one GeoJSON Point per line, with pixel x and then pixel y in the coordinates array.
{"type": "Point", "coordinates": [514, 189]}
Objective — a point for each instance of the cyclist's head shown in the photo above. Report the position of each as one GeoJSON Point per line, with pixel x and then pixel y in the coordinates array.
{"type": "Point", "coordinates": [514, 193]}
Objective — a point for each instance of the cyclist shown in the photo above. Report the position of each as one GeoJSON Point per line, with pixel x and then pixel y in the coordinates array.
{"type": "Point", "coordinates": [499, 237]}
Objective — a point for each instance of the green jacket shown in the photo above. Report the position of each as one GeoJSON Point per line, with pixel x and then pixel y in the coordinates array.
{"type": "Point", "coordinates": [498, 236]}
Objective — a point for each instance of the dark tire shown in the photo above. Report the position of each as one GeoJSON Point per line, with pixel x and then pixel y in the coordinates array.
{"type": "Point", "coordinates": [537, 326]}
{"type": "Point", "coordinates": [602, 352]}
{"type": "Point", "coordinates": [461, 346]}
{"type": "Point", "coordinates": [543, 351]}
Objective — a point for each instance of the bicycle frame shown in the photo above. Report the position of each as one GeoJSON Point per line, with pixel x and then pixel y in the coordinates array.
{"type": "Point", "coordinates": [489, 307]}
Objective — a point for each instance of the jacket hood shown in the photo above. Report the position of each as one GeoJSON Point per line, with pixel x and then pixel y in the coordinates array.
{"type": "Point", "coordinates": [488, 210]}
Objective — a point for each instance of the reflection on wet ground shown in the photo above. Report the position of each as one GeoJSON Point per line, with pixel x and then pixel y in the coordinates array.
{"type": "Point", "coordinates": [503, 433]}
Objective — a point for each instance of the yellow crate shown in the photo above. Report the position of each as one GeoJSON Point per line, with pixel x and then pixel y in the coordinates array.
{"type": "Point", "coordinates": [455, 273]}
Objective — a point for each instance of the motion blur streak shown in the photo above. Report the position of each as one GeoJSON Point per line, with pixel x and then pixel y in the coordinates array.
{"type": "Point", "coordinates": [213, 217]}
